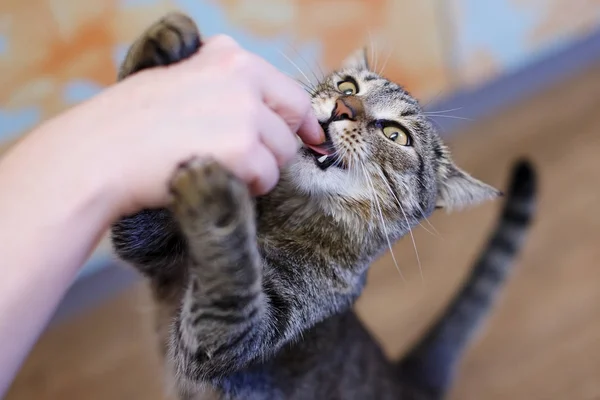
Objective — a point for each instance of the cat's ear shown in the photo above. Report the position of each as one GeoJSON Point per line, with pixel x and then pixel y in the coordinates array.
{"type": "Point", "coordinates": [458, 190]}
{"type": "Point", "coordinates": [357, 60]}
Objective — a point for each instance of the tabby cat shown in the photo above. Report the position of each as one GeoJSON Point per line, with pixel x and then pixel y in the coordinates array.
{"type": "Point", "coordinates": [254, 295]}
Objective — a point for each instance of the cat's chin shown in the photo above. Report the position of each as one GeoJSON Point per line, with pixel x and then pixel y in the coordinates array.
{"type": "Point", "coordinates": [305, 175]}
{"type": "Point", "coordinates": [323, 160]}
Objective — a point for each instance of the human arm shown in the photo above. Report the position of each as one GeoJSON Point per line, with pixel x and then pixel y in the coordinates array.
{"type": "Point", "coordinates": [62, 186]}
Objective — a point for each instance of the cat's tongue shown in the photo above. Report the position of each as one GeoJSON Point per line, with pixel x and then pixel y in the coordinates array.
{"type": "Point", "coordinates": [325, 149]}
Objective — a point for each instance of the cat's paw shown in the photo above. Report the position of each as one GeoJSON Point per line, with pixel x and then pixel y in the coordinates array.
{"type": "Point", "coordinates": [206, 196]}
{"type": "Point", "coordinates": [173, 38]}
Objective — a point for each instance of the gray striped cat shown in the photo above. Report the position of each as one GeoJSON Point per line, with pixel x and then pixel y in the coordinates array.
{"type": "Point", "coordinates": [254, 296]}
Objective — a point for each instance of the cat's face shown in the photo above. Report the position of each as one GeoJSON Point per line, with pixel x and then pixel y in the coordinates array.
{"type": "Point", "coordinates": [381, 150]}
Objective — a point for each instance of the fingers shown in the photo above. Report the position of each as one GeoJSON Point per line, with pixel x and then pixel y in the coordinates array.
{"type": "Point", "coordinates": [261, 171]}
{"type": "Point", "coordinates": [276, 135]}
{"type": "Point", "coordinates": [288, 99]}
{"type": "Point", "coordinates": [310, 130]}
{"type": "Point", "coordinates": [277, 146]}
{"type": "Point", "coordinates": [274, 107]}
{"type": "Point", "coordinates": [279, 92]}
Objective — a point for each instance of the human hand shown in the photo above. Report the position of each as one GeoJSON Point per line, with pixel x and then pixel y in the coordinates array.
{"type": "Point", "coordinates": [223, 102]}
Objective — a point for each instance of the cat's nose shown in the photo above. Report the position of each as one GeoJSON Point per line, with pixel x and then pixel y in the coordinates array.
{"type": "Point", "coordinates": [347, 107]}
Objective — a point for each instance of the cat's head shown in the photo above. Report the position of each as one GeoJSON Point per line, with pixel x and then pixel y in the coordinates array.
{"type": "Point", "coordinates": [381, 150]}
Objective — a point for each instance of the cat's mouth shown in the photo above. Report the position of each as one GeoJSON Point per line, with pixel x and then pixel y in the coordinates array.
{"type": "Point", "coordinates": [324, 154]}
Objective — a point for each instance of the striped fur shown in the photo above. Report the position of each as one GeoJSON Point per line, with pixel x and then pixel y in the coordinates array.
{"type": "Point", "coordinates": [254, 296]}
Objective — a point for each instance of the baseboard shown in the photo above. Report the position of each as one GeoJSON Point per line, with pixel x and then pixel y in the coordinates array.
{"type": "Point", "coordinates": [474, 104]}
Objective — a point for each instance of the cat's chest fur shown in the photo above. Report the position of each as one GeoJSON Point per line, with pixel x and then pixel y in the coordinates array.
{"type": "Point", "coordinates": [336, 359]}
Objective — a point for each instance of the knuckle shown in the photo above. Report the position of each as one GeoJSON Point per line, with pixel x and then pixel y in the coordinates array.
{"type": "Point", "coordinates": [289, 147]}
{"type": "Point", "coordinates": [223, 41]}
{"type": "Point", "coordinates": [240, 60]}
{"type": "Point", "coordinates": [235, 61]}
{"type": "Point", "coordinates": [247, 106]}
{"type": "Point", "coordinates": [246, 142]}
{"type": "Point", "coordinates": [252, 107]}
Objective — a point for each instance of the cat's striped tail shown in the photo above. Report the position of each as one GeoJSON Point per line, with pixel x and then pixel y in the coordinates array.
{"type": "Point", "coordinates": [429, 368]}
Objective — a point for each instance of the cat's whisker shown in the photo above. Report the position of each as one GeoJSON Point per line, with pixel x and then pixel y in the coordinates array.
{"type": "Point", "coordinates": [423, 226]}
{"type": "Point", "coordinates": [400, 205]}
{"type": "Point", "coordinates": [437, 125]}
{"type": "Point", "coordinates": [385, 232]}
{"type": "Point", "coordinates": [424, 105]}
{"type": "Point", "coordinates": [361, 173]}
{"type": "Point", "coordinates": [448, 116]}
{"type": "Point", "coordinates": [443, 111]}
{"type": "Point", "coordinates": [372, 211]}
{"type": "Point", "coordinates": [310, 83]}
{"type": "Point", "coordinates": [356, 175]}
{"type": "Point", "coordinates": [341, 154]}
{"type": "Point", "coordinates": [310, 90]}
{"type": "Point", "coordinates": [373, 52]}
{"type": "Point", "coordinates": [386, 61]}
{"type": "Point", "coordinates": [435, 231]}
{"type": "Point", "coordinates": [309, 66]}
{"type": "Point", "coordinates": [343, 157]}
{"type": "Point", "coordinates": [299, 81]}
{"type": "Point", "coordinates": [380, 172]}
{"type": "Point", "coordinates": [323, 74]}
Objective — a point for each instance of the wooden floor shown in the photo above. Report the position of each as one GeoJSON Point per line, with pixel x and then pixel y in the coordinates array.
{"type": "Point", "coordinates": [543, 341]}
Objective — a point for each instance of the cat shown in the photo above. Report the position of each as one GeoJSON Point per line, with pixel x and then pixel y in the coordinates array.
{"type": "Point", "coordinates": [254, 296]}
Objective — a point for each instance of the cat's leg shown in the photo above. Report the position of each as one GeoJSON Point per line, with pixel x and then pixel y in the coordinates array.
{"type": "Point", "coordinates": [155, 243]}
{"type": "Point", "coordinates": [223, 316]}
{"type": "Point", "coordinates": [150, 240]}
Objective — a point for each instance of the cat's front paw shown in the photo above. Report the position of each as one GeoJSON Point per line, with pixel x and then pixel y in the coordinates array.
{"type": "Point", "coordinates": [173, 38]}
{"type": "Point", "coordinates": [207, 196]}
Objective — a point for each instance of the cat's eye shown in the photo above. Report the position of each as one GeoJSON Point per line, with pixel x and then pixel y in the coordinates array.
{"type": "Point", "coordinates": [397, 135]}
{"type": "Point", "coordinates": [348, 87]}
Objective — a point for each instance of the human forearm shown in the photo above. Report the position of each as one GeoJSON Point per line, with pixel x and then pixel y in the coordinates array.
{"type": "Point", "coordinates": [52, 212]}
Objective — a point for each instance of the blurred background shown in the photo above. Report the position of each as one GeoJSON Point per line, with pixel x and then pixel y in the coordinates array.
{"type": "Point", "coordinates": [507, 78]}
